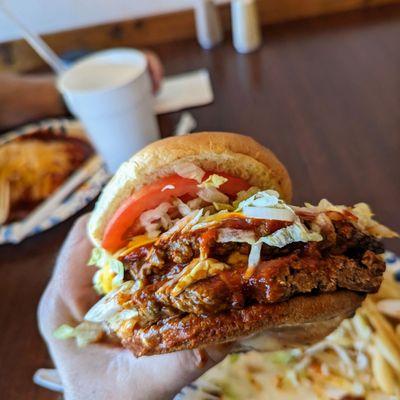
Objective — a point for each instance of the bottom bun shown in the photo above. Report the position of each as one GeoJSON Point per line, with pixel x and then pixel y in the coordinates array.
{"type": "Point", "coordinates": [298, 321]}
{"type": "Point", "coordinates": [289, 336]}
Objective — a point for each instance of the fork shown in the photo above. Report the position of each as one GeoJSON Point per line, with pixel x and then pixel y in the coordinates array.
{"type": "Point", "coordinates": [4, 200]}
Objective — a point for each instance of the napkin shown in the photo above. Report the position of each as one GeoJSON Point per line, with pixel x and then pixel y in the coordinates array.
{"type": "Point", "coordinates": [183, 91]}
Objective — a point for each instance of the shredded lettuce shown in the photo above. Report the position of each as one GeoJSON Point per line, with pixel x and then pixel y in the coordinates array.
{"type": "Point", "coordinates": [153, 219]}
{"type": "Point", "coordinates": [84, 333]}
{"type": "Point", "coordinates": [200, 270]}
{"type": "Point", "coordinates": [189, 170]}
{"type": "Point", "coordinates": [271, 213]}
{"type": "Point", "coordinates": [364, 214]}
{"type": "Point", "coordinates": [109, 305]}
{"type": "Point", "coordinates": [266, 205]}
{"type": "Point", "coordinates": [296, 232]}
{"type": "Point", "coordinates": [213, 181]}
{"type": "Point", "coordinates": [283, 357]}
{"type": "Point", "coordinates": [111, 272]}
{"type": "Point", "coordinates": [265, 198]}
{"type": "Point", "coordinates": [118, 319]}
{"type": "Point", "coordinates": [212, 195]}
{"type": "Point", "coordinates": [361, 211]}
{"type": "Point", "coordinates": [244, 195]}
{"type": "Point", "coordinates": [233, 358]}
{"type": "Point", "coordinates": [183, 208]}
{"type": "Point", "coordinates": [223, 206]}
{"type": "Point", "coordinates": [255, 255]}
{"type": "Point", "coordinates": [197, 270]}
{"type": "Point", "coordinates": [64, 332]}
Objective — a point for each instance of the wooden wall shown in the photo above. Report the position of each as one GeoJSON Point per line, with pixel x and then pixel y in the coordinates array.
{"type": "Point", "coordinates": [165, 28]}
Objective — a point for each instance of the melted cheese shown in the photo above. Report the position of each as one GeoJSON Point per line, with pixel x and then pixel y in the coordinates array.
{"type": "Point", "coordinates": [221, 216]}
{"type": "Point", "coordinates": [30, 165]}
{"type": "Point", "coordinates": [134, 243]}
{"type": "Point", "coordinates": [105, 277]}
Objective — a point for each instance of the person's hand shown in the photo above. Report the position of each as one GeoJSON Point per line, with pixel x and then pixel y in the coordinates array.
{"type": "Point", "coordinates": [100, 371]}
{"type": "Point", "coordinates": [26, 98]}
{"type": "Point", "coordinates": [156, 69]}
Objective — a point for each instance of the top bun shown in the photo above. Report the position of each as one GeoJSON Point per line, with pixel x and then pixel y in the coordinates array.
{"type": "Point", "coordinates": [234, 154]}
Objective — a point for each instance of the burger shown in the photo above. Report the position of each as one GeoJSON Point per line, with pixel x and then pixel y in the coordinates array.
{"type": "Point", "coordinates": [196, 243]}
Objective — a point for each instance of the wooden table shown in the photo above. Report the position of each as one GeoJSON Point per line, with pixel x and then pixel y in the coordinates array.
{"type": "Point", "coordinates": [324, 94]}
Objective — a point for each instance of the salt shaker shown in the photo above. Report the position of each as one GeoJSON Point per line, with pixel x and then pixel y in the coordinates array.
{"type": "Point", "coordinates": [208, 24]}
{"type": "Point", "coordinates": [245, 25]}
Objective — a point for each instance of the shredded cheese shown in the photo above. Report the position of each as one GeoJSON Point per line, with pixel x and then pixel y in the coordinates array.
{"type": "Point", "coordinates": [31, 166]}
{"type": "Point", "coordinates": [134, 243]}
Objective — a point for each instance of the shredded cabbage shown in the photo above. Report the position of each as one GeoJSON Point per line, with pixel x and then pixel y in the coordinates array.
{"type": "Point", "coordinates": [223, 206]}
{"type": "Point", "coordinates": [282, 357]}
{"type": "Point", "coordinates": [109, 305]}
{"type": "Point", "coordinates": [195, 271]}
{"type": "Point", "coordinates": [296, 232]}
{"type": "Point", "coordinates": [226, 235]}
{"type": "Point", "coordinates": [210, 220]}
{"type": "Point", "coordinates": [84, 333]}
{"type": "Point", "coordinates": [111, 273]}
{"type": "Point", "coordinates": [266, 205]}
{"type": "Point", "coordinates": [361, 211]}
{"type": "Point", "coordinates": [265, 198]}
{"type": "Point", "coordinates": [183, 208]}
{"type": "Point", "coordinates": [116, 321]}
{"type": "Point", "coordinates": [245, 194]}
{"type": "Point", "coordinates": [104, 309]}
{"type": "Point", "coordinates": [279, 214]}
{"type": "Point", "coordinates": [195, 204]}
{"type": "Point", "coordinates": [367, 223]}
{"type": "Point", "coordinates": [213, 181]}
{"type": "Point", "coordinates": [255, 255]}
{"type": "Point", "coordinates": [189, 170]}
{"type": "Point", "coordinates": [212, 195]}
{"type": "Point", "coordinates": [160, 213]}
{"type": "Point", "coordinates": [64, 332]}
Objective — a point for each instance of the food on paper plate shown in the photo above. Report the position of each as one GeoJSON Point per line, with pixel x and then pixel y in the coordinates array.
{"type": "Point", "coordinates": [196, 244]}
{"type": "Point", "coordinates": [33, 166]}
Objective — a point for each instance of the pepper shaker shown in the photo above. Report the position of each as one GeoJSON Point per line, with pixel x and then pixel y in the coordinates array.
{"type": "Point", "coordinates": [245, 25]}
{"type": "Point", "coordinates": [208, 24]}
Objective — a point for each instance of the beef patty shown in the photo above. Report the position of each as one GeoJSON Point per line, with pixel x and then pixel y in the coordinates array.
{"type": "Point", "coordinates": [345, 259]}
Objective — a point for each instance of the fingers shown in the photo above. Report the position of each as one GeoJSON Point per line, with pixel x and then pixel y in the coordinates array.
{"type": "Point", "coordinates": [72, 278]}
{"type": "Point", "coordinates": [178, 369]}
{"type": "Point", "coordinates": [19, 103]}
{"type": "Point", "coordinates": [156, 70]}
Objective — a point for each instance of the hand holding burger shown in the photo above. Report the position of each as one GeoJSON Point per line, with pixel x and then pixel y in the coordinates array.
{"type": "Point", "coordinates": [104, 370]}
{"type": "Point", "coordinates": [197, 245]}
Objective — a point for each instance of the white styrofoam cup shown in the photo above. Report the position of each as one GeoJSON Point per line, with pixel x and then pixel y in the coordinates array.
{"type": "Point", "coordinates": [110, 93]}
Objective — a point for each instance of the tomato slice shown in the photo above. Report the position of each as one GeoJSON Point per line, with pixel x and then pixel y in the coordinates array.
{"type": "Point", "coordinates": [233, 185]}
{"type": "Point", "coordinates": [150, 197]}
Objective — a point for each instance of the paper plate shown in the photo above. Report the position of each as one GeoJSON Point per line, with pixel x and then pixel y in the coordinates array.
{"type": "Point", "coordinates": [77, 200]}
